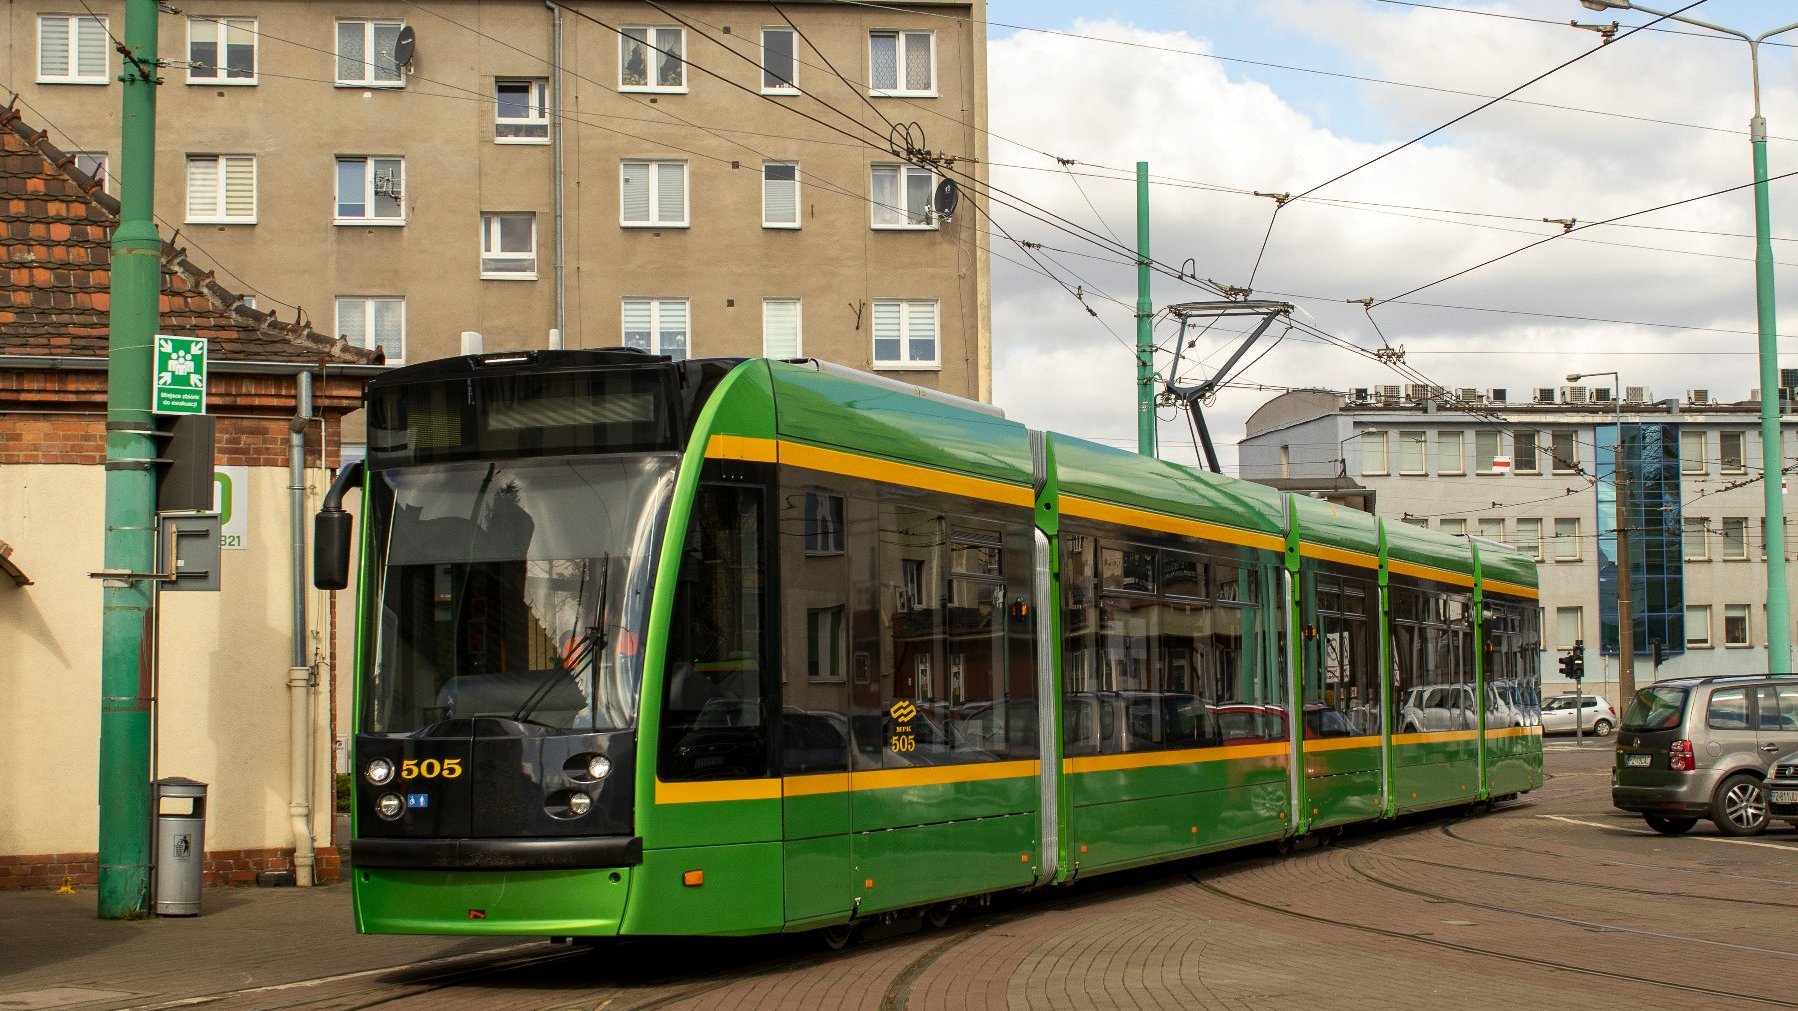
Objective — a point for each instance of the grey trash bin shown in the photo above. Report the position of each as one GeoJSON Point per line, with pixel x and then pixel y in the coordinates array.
{"type": "Point", "coordinates": [180, 808]}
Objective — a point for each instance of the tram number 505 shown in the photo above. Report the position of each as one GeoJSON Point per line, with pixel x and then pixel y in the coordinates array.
{"type": "Point", "coordinates": [430, 768]}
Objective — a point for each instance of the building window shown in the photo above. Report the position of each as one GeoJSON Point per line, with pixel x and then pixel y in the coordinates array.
{"type": "Point", "coordinates": [905, 333]}
{"type": "Point", "coordinates": [371, 191]}
{"type": "Point", "coordinates": [1565, 452]}
{"type": "Point", "coordinates": [901, 196]}
{"type": "Point", "coordinates": [365, 53]}
{"type": "Point", "coordinates": [657, 325]}
{"type": "Point", "coordinates": [521, 110]}
{"type": "Point", "coordinates": [650, 59]}
{"type": "Point", "coordinates": [780, 194]}
{"type": "Point", "coordinates": [1454, 526]}
{"type": "Point", "coordinates": [1373, 453]}
{"type": "Point", "coordinates": [374, 323]}
{"type": "Point", "coordinates": [902, 63]}
{"type": "Point", "coordinates": [1735, 538]}
{"type": "Point", "coordinates": [221, 50]}
{"type": "Point", "coordinates": [1698, 625]}
{"type": "Point", "coordinates": [1691, 452]}
{"type": "Point", "coordinates": [653, 194]}
{"type": "Point", "coordinates": [221, 188]}
{"type": "Point", "coordinates": [1732, 452]}
{"type": "Point", "coordinates": [509, 246]}
{"type": "Point", "coordinates": [72, 49]}
{"type": "Point", "coordinates": [780, 328]}
{"type": "Point", "coordinates": [1529, 536]}
{"type": "Point", "coordinates": [1523, 443]}
{"type": "Point", "coordinates": [1569, 627]}
{"type": "Point", "coordinates": [1696, 539]}
{"type": "Point", "coordinates": [1567, 539]}
{"type": "Point", "coordinates": [780, 62]}
{"type": "Point", "coordinates": [823, 523]}
{"type": "Point", "coordinates": [1451, 453]}
{"type": "Point", "coordinates": [96, 166]}
{"type": "Point", "coordinates": [1486, 448]}
{"type": "Point", "coordinates": [824, 644]}
{"type": "Point", "coordinates": [1492, 527]}
{"type": "Point", "coordinates": [1735, 625]}
{"type": "Point", "coordinates": [1411, 446]}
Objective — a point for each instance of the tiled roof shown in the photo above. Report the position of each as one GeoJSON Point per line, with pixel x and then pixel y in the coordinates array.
{"type": "Point", "coordinates": [56, 239]}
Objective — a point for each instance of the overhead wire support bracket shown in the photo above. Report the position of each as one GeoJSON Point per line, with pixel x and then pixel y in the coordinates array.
{"type": "Point", "coordinates": [1191, 397]}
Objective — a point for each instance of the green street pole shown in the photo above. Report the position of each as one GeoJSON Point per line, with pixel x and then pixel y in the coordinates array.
{"type": "Point", "coordinates": [1145, 321]}
{"type": "Point", "coordinates": [125, 660]}
{"type": "Point", "coordinates": [1779, 609]}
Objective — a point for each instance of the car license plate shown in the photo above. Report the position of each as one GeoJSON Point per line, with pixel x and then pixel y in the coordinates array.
{"type": "Point", "coordinates": [1637, 759]}
{"type": "Point", "coordinates": [1784, 796]}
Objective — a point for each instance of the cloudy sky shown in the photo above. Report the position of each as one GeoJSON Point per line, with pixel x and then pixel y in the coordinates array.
{"type": "Point", "coordinates": [1223, 98]}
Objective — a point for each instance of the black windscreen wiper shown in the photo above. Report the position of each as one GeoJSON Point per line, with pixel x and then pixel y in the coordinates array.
{"type": "Point", "coordinates": [585, 650]}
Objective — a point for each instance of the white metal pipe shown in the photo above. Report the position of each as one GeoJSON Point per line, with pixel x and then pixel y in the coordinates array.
{"type": "Point", "coordinates": [299, 674]}
{"type": "Point", "coordinates": [555, 134]}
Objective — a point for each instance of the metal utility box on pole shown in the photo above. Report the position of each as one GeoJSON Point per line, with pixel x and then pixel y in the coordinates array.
{"type": "Point", "coordinates": [1145, 321]}
{"type": "Point", "coordinates": [126, 612]}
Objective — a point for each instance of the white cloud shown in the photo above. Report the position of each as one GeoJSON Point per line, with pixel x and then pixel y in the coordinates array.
{"type": "Point", "coordinates": [1112, 105]}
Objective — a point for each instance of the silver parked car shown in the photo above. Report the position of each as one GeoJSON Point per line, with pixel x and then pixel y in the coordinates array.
{"type": "Point", "coordinates": [1782, 789]}
{"type": "Point", "coordinates": [1693, 748]}
{"type": "Point", "coordinates": [1592, 714]}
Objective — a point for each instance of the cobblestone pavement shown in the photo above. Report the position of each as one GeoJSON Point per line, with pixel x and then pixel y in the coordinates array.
{"type": "Point", "coordinates": [1552, 901]}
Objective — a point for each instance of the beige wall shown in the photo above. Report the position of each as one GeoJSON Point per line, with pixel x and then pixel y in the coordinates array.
{"type": "Point", "coordinates": [295, 120]}
{"type": "Point", "coordinates": [224, 706]}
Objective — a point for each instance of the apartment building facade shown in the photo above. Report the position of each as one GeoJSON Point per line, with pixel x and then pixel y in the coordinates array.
{"type": "Point", "coordinates": [695, 179]}
{"type": "Point", "coordinates": [1536, 469]}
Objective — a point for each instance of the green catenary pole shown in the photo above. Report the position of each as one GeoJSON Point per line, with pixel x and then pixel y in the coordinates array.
{"type": "Point", "coordinates": [1145, 321]}
{"type": "Point", "coordinates": [130, 491]}
{"type": "Point", "coordinates": [1779, 616]}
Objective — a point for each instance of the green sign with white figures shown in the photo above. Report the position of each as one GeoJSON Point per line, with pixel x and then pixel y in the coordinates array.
{"type": "Point", "coordinates": [178, 381]}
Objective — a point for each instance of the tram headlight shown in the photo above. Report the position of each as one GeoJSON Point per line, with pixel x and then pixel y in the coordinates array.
{"type": "Point", "coordinates": [599, 767]}
{"type": "Point", "coordinates": [391, 805]}
{"type": "Point", "coordinates": [379, 771]}
{"type": "Point", "coordinates": [579, 804]}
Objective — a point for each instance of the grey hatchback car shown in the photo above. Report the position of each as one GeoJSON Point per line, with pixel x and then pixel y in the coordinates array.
{"type": "Point", "coordinates": [1693, 748]}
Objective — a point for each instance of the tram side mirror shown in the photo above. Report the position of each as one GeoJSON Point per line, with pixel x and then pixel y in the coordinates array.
{"type": "Point", "coordinates": [331, 549]}
{"type": "Point", "coordinates": [331, 533]}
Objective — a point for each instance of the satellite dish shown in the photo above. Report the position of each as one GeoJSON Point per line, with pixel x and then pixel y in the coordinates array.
{"type": "Point", "coordinates": [944, 201]}
{"type": "Point", "coordinates": [404, 46]}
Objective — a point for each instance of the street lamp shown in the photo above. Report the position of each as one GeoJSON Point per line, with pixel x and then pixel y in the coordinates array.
{"type": "Point", "coordinates": [1626, 610]}
{"type": "Point", "coordinates": [1779, 617]}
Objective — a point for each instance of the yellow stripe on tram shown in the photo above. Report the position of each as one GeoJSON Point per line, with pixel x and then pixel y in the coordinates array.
{"type": "Point", "coordinates": [821, 784]}
{"type": "Point", "coordinates": [1340, 744]}
{"type": "Point", "coordinates": [1324, 552]}
{"type": "Point", "coordinates": [1440, 737]}
{"type": "Point", "coordinates": [1511, 589]}
{"type": "Point", "coordinates": [1185, 756]}
{"type": "Point", "coordinates": [1127, 516]}
{"type": "Point", "coordinates": [1429, 572]}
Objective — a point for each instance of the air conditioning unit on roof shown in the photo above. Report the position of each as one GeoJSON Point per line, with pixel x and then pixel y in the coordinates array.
{"type": "Point", "coordinates": [1573, 394]}
{"type": "Point", "coordinates": [1545, 394]}
{"type": "Point", "coordinates": [1698, 396]}
{"type": "Point", "coordinates": [1635, 395]}
{"type": "Point", "coordinates": [1497, 394]}
{"type": "Point", "coordinates": [1359, 395]}
{"type": "Point", "coordinates": [1601, 395]}
{"type": "Point", "coordinates": [1389, 394]}
{"type": "Point", "coordinates": [1469, 395]}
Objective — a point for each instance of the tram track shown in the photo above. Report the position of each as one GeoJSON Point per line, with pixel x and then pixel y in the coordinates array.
{"type": "Point", "coordinates": [1658, 893]}
{"type": "Point", "coordinates": [1449, 830]}
{"type": "Point", "coordinates": [1485, 952]}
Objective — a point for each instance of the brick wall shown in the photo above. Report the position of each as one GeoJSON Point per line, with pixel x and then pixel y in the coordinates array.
{"type": "Point", "coordinates": [223, 867]}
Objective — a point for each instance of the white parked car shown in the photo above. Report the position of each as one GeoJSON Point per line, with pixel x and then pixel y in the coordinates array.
{"type": "Point", "coordinates": [1595, 715]}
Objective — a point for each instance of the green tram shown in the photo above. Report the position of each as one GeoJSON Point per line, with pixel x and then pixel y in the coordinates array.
{"type": "Point", "coordinates": [731, 647]}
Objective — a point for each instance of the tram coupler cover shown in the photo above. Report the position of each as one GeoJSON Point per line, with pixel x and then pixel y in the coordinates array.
{"type": "Point", "coordinates": [180, 810]}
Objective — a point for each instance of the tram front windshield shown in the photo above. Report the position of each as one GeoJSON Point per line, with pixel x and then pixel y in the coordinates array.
{"type": "Point", "coordinates": [515, 589]}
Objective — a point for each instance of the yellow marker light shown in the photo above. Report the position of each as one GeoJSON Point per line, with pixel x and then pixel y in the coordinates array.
{"type": "Point", "coordinates": [693, 879]}
{"type": "Point", "coordinates": [1023, 858]}
{"type": "Point", "coordinates": [1195, 830]}
{"type": "Point", "coordinates": [868, 883]}
{"type": "Point", "coordinates": [1083, 847]}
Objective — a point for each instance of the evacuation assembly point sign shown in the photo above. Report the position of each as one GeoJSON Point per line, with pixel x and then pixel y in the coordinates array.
{"type": "Point", "coordinates": [178, 378]}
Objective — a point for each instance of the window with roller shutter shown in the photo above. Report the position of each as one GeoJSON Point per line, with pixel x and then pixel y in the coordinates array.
{"type": "Point", "coordinates": [221, 189]}
{"type": "Point", "coordinates": [653, 194]}
{"type": "Point", "coordinates": [780, 328]}
{"type": "Point", "coordinates": [72, 49]}
{"type": "Point", "coordinates": [780, 194]}
{"type": "Point", "coordinates": [905, 333]}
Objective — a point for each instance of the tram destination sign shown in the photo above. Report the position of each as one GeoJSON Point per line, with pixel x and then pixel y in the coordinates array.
{"type": "Point", "coordinates": [178, 377]}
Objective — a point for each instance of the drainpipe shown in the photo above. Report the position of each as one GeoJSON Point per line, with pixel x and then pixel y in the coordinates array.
{"type": "Point", "coordinates": [555, 133]}
{"type": "Point", "coordinates": [299, 675]}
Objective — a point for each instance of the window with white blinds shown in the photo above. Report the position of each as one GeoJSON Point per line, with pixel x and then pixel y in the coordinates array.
{"type": "Point", "coordinates": [902, 63]}
{"type": "Point", "coordinates": [71, 49]}
{"type": "Point", "coordinates": [365, 54]}
{"type": "Point", "coordinates": [780, 328]}
{"type": "Point", "coordinates": [657, 325]}
{"type": "Point", "coordinates": [221, 188]}
{"type": "Point", "coordinates": [221, 50]}
{"type": "Point", "coordinates": [374, 322]}
{"type": "Point", "coordinates": [653, 194]}
{"type": "Point", "coordinates": [905, 333]}
{"type": "Point", "coordinates": [780, 194]}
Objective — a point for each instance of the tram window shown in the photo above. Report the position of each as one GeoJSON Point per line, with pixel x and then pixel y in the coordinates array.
{"type": "Point", "coordinates": [1183, 575]}
{"type": "Point", "coordinates": [716, 695]}
{"type": "Point", "coordinates": [1129, 570]}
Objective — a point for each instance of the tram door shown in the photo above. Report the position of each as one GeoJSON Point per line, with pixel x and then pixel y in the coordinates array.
{"type": "Point", "coordinates": [826, 603]}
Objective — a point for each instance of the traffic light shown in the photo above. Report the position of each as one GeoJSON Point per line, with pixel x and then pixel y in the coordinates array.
{"type": "Point", "coordinates": [1573, 665]}
{"type": "Point", "coordinates": [184, 462]}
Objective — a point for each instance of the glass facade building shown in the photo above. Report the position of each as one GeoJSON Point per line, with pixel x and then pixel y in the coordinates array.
{"type": "Point", "coordinates": [1651, 475]}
